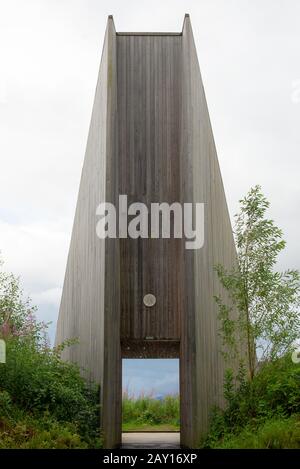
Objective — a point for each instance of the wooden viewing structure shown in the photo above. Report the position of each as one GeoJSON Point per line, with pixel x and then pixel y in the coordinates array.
{"type": "Point", "coordinates": [150, 137]}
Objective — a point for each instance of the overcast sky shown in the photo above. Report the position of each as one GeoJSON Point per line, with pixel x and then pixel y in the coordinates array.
{"type": "Point", "coordinates": [249, 54]}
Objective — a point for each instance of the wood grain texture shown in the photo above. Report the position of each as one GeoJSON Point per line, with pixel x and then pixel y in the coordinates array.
{"type": "Point", "coordinates": [201, 364]}
{"type": "Point", "coordinates": [149, 85]}
{"type": "Point", "coordinates": [135, 348]}
{"type": "Point", "coordinates": [151, 139]}
{"type": "Point", "coordinates": [89, 307]}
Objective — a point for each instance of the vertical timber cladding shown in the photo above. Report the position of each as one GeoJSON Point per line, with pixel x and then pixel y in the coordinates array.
{"type": "Point", "coordinates": [90, 301]}
{"type": "Point", "coordinates": [150, 138]}
{"type": "Point", "coordinates": [202, 366]}
{"type": "Point", "coordinates": [149, 91]}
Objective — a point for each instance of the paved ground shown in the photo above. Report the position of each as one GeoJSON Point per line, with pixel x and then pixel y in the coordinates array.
{"type": "Point", "coordinates": [150, 440]}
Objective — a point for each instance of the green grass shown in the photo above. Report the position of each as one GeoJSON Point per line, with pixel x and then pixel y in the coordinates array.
{"type": "Point", "coordinates": [20, 428]}
{"type": "Point", "coordinates": [276, 433]}
{"type": "Point", "coordinates": [143, 427]}
{"type": "Point", "coordinates": [24, 431]}
{"type": "Point", "coordinates": [264, 413]}
{"type": "Point", "coordinates": [144, 413]}
{"type": "Point", "coordinates": [44, 402]}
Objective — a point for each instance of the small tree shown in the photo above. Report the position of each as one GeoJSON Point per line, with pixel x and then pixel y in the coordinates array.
{"type": "Point", "coordinates": [267, 301]}
{"type": "Point", "coordinates": [17, 315]}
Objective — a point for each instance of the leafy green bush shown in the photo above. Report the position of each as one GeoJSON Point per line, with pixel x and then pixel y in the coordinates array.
{"type": "Point", "coordinates": [259, 408]}
{"type": "Point", "coordinates": [21, 429]}
{"type": "Point", "coordinates": [38, 381]}
{"type": "Point", "coordinates": [275, 433]}
{"type": "Point", "coordinates": [44, 401]}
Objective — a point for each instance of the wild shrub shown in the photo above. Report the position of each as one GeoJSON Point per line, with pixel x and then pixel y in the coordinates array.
{"type": "Point", "coordinates": [272, 396]}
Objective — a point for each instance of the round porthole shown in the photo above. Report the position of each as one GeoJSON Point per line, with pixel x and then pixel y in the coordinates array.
{"type": "Point", "coordinates": [149, 300]}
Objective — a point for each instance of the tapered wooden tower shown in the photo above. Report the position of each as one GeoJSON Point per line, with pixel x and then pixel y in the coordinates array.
{"type": "Point", "coordinates": [150, 138]}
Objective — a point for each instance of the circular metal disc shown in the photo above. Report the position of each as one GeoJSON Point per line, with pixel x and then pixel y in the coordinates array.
{"type": "Point", "coordinates": [149, 300]}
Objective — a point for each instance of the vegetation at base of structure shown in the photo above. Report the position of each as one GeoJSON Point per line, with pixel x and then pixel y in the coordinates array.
{"type": "Point", "coordinates": [44, 401]}
{"type": "Point", "coordinates": [21, 429]}
{"type": "Point", "coordinates": [145, 413]}
{"type": "Point", "coordinates": [259, 307]}
{"type": "Point", "coordinates": [280, 433]}
{"type": "Point", "coordinates": [259, 327]}
{"type": "Point", "coordinates": [143, 427]}
{"type": "Point", "coordinates": [262, 413]}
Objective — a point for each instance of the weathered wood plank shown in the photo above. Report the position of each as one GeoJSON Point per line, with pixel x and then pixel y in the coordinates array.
{"type": "Point", "coordinates": [149, 157]}
{"type": "Point", "coordinates": [202, 365]}
{"type": "Point", "coordinates": [150, 138]}
{"type": "Point", "coordinates": [89, 306]}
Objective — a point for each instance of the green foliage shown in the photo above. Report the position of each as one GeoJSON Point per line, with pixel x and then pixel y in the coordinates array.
{"type": "Point", "coordinates": [258, 407]}
{"type": "Point", "coordinates": [40, 390]}
{"type": "Point", "coordinates": [38, 381]}
{"type": "Point", "coordinates": [267, 301]}
{"type": "Point", "coordinates": [17, 315]}
{"type": "Point", "coordinates": [263, 397]}
{"type": "Point", "coordinates": [21, 429]}
{"type": "Point", "coordinates": [5, 403]}
{"type": "Point", "coordinates": [275, 433]}
{"type": "Point", "coordinates": [150, 412]}
{"type": "Point", "coordinates": [44, 401]}
{"type": "Point", "coordinates": [229, 386]}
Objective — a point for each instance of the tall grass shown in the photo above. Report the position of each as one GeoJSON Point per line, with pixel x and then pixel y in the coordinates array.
{"type": "Point", "coordinates": [44, 402]}
{"type": "Point", "coordinates": [264, 413]}
{"type": "Point", "coordinates": [146, 412]}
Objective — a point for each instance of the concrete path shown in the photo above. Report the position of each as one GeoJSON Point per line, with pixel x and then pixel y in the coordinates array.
{"type": "Point", "coordinates": [153, 440]}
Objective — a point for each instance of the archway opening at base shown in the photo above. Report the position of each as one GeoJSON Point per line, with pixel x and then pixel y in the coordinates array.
{"type": "Point", "coordinates": [150, 395]}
